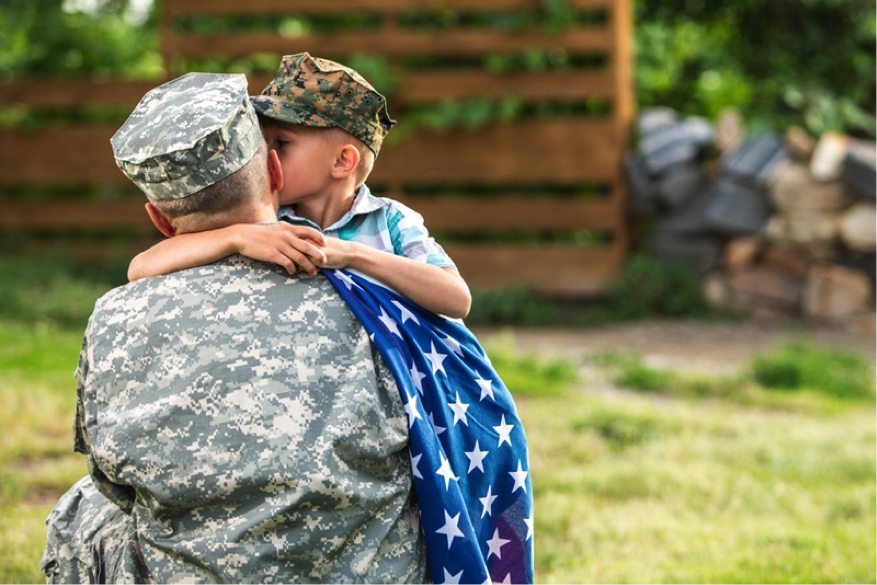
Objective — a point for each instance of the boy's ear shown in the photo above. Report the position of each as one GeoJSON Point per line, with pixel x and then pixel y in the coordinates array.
{"type": "Point", "coordinates": [160, 221]}
{"type": "Point", "coordinates": [275, 171]}
{"type": "Point", "coordinates": [346, 161]}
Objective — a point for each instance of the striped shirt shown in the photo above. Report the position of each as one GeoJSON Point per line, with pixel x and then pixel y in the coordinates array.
{"type": "Point", "coordinates": [383, 224]}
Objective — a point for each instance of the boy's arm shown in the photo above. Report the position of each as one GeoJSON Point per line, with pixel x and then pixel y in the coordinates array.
{"type": "Point", "coordinates": [440, 290]}
{"type": "Point", "coordinates": [290, 246]}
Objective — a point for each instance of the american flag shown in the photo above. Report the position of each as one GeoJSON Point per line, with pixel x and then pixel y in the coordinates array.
{"type": "Point", "coordinates": [467, 445]}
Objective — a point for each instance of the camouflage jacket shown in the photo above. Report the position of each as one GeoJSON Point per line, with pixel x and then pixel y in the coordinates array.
{"type": "Point", "coordinates": [250, 429]}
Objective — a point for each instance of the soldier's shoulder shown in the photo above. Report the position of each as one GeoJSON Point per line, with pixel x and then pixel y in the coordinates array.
{"type": "Point", "coordinates": [233, 274]}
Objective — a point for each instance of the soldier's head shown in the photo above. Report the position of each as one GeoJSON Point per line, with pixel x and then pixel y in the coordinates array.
{"type": "Point", "coordinates": [312, 97]}
{"type": "Point", "coordinates": [194, 146]}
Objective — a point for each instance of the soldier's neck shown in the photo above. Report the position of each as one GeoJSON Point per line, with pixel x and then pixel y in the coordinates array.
{"type": "Point", "coordinates": [203, 222]}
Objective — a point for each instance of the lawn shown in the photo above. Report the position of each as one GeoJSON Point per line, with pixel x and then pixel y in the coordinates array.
{"type": "Point", "coordinates": [675, 480]}
{"type": "Point", "coordinates": [644, 490]}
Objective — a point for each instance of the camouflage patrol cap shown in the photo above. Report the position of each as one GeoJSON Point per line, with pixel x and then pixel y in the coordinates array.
{"type": "Point", "coordinates": [188, 134]}
{"type": "Point", "coordinates": [310, 91]}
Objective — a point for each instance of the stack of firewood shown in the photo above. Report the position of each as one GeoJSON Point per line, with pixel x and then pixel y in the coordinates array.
{"type": "Point", "coordinates": [778, 226]}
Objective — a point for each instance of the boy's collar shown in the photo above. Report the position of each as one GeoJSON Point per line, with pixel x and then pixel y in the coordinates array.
{"type": "Point", "coordinates": [363, 202]}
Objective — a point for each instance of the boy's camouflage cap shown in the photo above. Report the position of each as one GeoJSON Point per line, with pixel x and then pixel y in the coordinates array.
{"type": "Point", "coordinates": [310, 91]}
{"type": "Point", "coordinates": [188, 134]}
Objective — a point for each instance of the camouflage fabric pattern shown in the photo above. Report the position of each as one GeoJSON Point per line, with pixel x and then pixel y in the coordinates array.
{"type": "Point", "coordinates": [91, 540]}
{"type": "Point", "coordinates": [246, 421]}
{"type": "Point", "coordinates": [187, 134]}
{"type": "Point", "coordinates": [309, 91]}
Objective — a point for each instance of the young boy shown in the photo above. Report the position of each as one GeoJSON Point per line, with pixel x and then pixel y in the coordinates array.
{"type": "Point", "coordinates": [327, 124]}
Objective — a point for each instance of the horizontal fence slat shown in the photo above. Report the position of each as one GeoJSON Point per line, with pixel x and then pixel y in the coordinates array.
{"type": "Point", "coordinates": [558, 150]}
{"type": "Point", "coordinates": [417, 87]}
{"type": "Point", "coordinates": [516, 213]}
{"type": "Point", "coordinates": [441, 43]}
{"type": "Point", "coordinates": [72, 215]}
{"type": "Point", "coordinates": [420, 87]}
{"type": "Point", "coordinates": [61, 155]}
{"type": "Point", "coordinates": [204, 7]}
{"type": "Point", "coordinates": [558, 270]}
{"type": "Point", "coordinates": [68, 93]}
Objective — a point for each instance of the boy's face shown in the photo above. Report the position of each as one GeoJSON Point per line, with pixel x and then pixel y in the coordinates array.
{"type": "Point", "coordinates": [306, 158]}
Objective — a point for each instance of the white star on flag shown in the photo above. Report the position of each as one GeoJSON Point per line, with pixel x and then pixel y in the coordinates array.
{"type": "Point", "coordinates": [417, 377]}
{"type": "Point", "coordinates": [438, 430]}
{"type": "Point", "coordinates": [348, 282]}
{"type": "Point", "coordinates": [520, 475]}
{"type": "Point", "coordinates": [459, 409]}
{"type": "Point", "coordinates": [452, 579]}
{"type": "Point", "coordinates": [389, 322]}
{"type": "Point", "coordinates": [405, 313]}
{"type": "Point", "coordinates": [454, 345]}
{"type": "Point", "coordinates": [529, 523]}
{"type": "Point", "coordinates": [436, 359]}
{"type": "Point", "coordinates": [495, 544]}
{"type": "Point", "coordinates": [446, 472]}
{"type": "Point", "coordinates": [487, 502]}
{"type": "Point", "coordinates": [504, 431]}
{"type": "Point", "coordinates": [476, 458]}
{"type": "Point", "coordinates": [411, 410]}
{"type": "Point", "coordinates": [450, 529]}
{"type": "Point", "coordinates": [415, 460]}
{"type": "Point", "coordinates": [486, 389]}
{"type": "Point", "coordinates": [507, 580]}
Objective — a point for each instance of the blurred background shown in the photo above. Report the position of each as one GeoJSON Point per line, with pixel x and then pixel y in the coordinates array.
{"type": "Point", "coordinates": [665, 209]}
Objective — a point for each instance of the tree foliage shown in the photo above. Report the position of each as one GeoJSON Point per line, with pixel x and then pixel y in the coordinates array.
{"type": "Point", "coordinates": [809, 62]}
{"type": "Point", "coordinates": [89, 38]}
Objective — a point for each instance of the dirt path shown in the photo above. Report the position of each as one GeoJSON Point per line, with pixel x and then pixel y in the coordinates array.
{"type": "Point", "coordinates": [681, 345]}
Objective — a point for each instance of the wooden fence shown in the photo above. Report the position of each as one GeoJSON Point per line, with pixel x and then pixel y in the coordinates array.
{"type": "Point", "coordinates": [516, 212]}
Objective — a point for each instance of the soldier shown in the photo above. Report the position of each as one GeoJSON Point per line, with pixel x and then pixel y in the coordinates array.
{"type": "Point", "coordinates": [237, 423]}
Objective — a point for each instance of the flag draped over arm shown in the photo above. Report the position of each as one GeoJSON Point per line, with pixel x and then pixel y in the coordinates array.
{"type": "Point", "coordinates": [467, 445]}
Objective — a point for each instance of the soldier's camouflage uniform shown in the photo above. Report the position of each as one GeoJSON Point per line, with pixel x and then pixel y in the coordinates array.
{"type": "Point", "coordinates": [244, 421]}
{"type": "Point", "coordinates": [238, 424]}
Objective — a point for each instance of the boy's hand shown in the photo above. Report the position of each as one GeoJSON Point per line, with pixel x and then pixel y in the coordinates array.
{"type": "Point", "coordinates": [293, 247]}
{"type": "Point", "coordinates": [336, 254]}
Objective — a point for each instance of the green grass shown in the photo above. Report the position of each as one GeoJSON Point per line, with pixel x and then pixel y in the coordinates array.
{"type": "Point", "coordinates": [529, 375]}
{"type": "Point", "coordinates": [792, 375]}
{"type": "Point", "coordinates": [645, 491]}
{"type": "Point", "coordinates": [38, 394]}
{"type": "Point", "coordinates": [54, 288]}
{"type": "Point", "coordinates": [45, 302]}
{"type": "Point", "coordinates": [797, 366]}
{"type": "Point", "coordinates": [515, 304]}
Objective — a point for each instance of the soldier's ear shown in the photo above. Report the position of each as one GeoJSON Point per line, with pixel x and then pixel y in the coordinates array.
{"type": "Point", "coordinates": [160, 221]}
{"type": "Point", "coordinates": [275, 171]}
